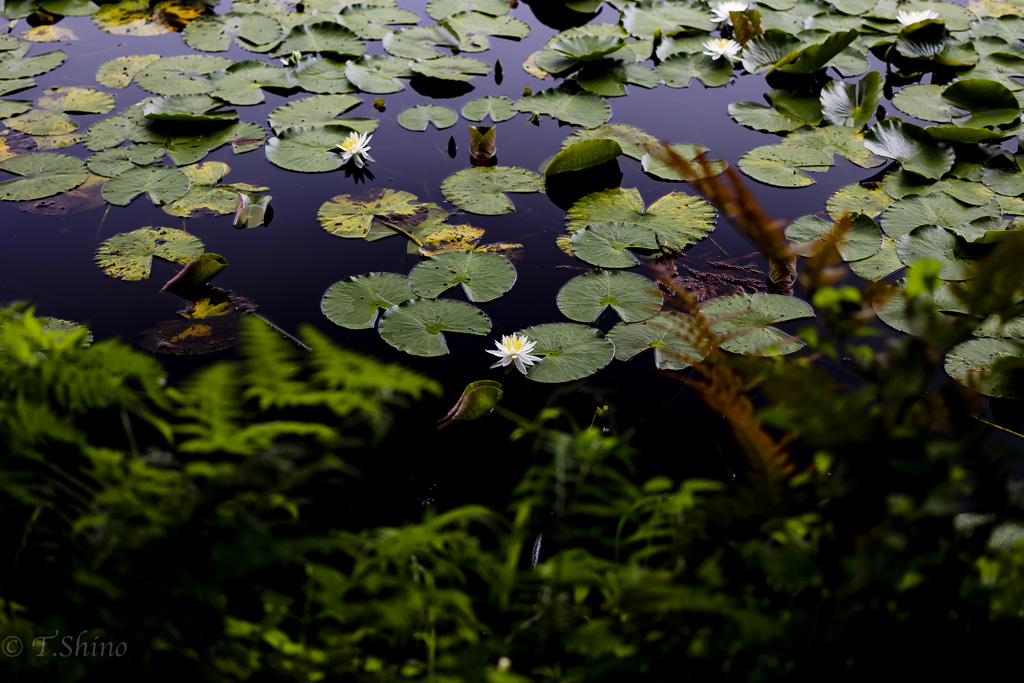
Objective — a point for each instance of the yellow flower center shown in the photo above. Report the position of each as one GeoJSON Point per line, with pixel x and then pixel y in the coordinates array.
{"type": "Point", "coordinates": [351, 143]}
{"type": "Point", "coordinates": [514, 344]}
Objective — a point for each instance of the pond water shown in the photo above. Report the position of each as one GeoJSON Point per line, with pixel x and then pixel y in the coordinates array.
{"type": "Point", "coordinates": [286, 266]}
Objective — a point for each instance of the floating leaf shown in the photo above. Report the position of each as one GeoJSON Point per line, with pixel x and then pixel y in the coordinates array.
{"type": "Point", "coordinates": [119, 72]}
{"type": "Point", "coordinates": [330, 76]}
{"type": "Point", "coordinates": [478, 399]}
{"type": "Point", "coordinates": [586, 48]}
{"type": "Point", "coordinates": [582, 155]}
{"type": "Point", "coordinates": [243, 82]}
{"type": "Point", "coordinates": [418, 116]}
{"type": "Point", "coordinates": [632, 141]}
{"type": "Point", "coordinates": [884, 263]}
{"type": "Point", "coordinates": [308, 149]}
{"type": "Point", "coordinates": [498, 108]}
{"type": "Point", "coordinates": [416, 326]}
{"type": "Point", "coordinates": [345, 216]}
{"type": "Point", "coordinates": [196, 274]}
{"type": "Point", "coordinates": [813, 57]}
{"type": "Point", "coordinates": [481, 190]}
{"type": "Point", "coordinates": [216, 32]}
{"type": "Point", "coordinates": [842, 140]}
{"type": "Point", "coordinates": [420, 42]}
{"type": "Point", "coordinates": [860, 239]}
{"type": "Point", "coordinates": [570, 352]}
{"type": "Point", "coordinates": [23, 67]}
{"type": "Point", "coordinates": [988, 366]}
{"type": "Point", "coordinates": [315, 110]}
{"type": "Point", "coordinates": [474, 27]}
{"type": "Point", "coordinates": [939, 245]}
{"type": "Point", "coordinates": [911, 146]}
{"type": "Point", "coordinates": [442, 9]}
{"type": "Point", "coordinates": [582, 109]}
{"type": "Point", "coordinates": [145, 18]}
{"type": "Point", "coordinates": [181, 75]}
{"type": "Point", "coordinates": [250, 210]}
{"type": "Point", "coordinates": [321, 36]}
{"type": "Point", "coordinates": [42, 175]}
{"type": "Point", "coordinates": [679, 70]}
{"type": "Point", "coordinates": [632, 297]}
{"type": "Point", "coordinates": [374, 23]}
{"type": "Point", "coordinates": [482, 142]}
{"type": "Point", "coordinates": [376, 74]}
{"type": "Point", "coordinates": [990, 103]}
{"type": "Point", "coordinates": [939, 209]}
{"type": "Point", "coordinates": [49, 115]}
{"type": "Point", "coordinates": [746, 318]}
{"type": "Point", "coordinates": [451, 68]}
{"type": "Point", "coordinates": [848, 104]}
{"type": "Point", "coordinates": [678, 219]}
{"type": "Point", "coordinates": [869, 199]}
{"type": "Point", "coordinates": [187, 108]}
{"type": "Point", "coordinates": [669, 333]}
{"type": "Point", "coordinates": [757, 116]}
{"type": "Point", "coordinates": [646, 19]}
{"type": "Point", "coordinates": [700, 167]}
{"type": "Point", "coordinates": [484, 276]}
{"type": "Point", "coordinates": [129, 255]}
{"type": "Point", "coordinates": [924, 102]}
{"type": "Point", "coordinates": [163, 184]}
{"type": "Point", "coordinates": [605, 244]}
{"type": "Point", "coordinates": [354, 301]}
{"type": "Point", "coordinates": [763, 51]}
{"type": "Point", "coordinates": [781, 165]}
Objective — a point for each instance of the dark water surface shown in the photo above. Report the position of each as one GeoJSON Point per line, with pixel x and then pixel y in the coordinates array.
{"type": "Point", "coordinates": [287, 266]}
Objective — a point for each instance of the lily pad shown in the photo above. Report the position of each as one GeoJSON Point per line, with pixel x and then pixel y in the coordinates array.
{"type": "Point", "coordinates": [939, 245]}
{"type": "Point", "coordinates": [421, 42]}
{"type": "Point", "coordinates": [163, 184]}
{"type": "Point", "coordinates": [813, 57]}
{"type": "Point", "coordinates": [911, 146]}
{"type": "Point", "coordinates": [481, 190]}
{"type": "Point", "coordinates": [746, 320]}
{"type": "Point", "coordinates": [861, 238]}
{"type": "Point", "coordinates": [908, 213]}
{"type": "Point", "coordinates": [346, 216]}
{"type": "Point", "coordinates": [849, 104]}
{"type": "Point", "coordinates": [882, 264]}
{"type": "Point", "coordinates": [581, 109]}
{"type": "Point", "coordinates": [632, 297]}
{"type": "Point", "coordinates": [699, 166]}
{"type": "Point", "coordinates": [181, 75]}
{"type": "Point", "coordinates": [782, 166]}
{"type": "Point", "coordinates": [354, 301]}
{"type": "Point", "coordinates": [669, 333]}
{"type": "Point", "coordinates": [924, 102]}
{"type": "Point", "coordinates": [376, 74]}
{"type": "Point", "coordinates": [606, 244]}
{"type": "Point", "coordinates": [442, 9]}
{"type": "Point", "coordinates": [119, 72]}
{"type": "Point", "coordinates": [243, 82]}
{"type": "Point", "coordinates": [416, 326]}
{"type": "Point", "coordinates": [308, 149]}
{"type": "Point", "coordinates": [187, 108]}
{"type": "Point", "coordinates": [869, 199]}
{"type": "Point", "coordinates": [418, 116]}
{"type": "Point", "coordinates": [646, 19]}
{"type": "Point", "coordinates": [498, 108]}
{"type": "Point", "coordinates": [327, 75]}
{"type": "Point", "coordinates": [989, 103]}
{"type": "Point", "coordinates": [678, 71]}
{"type": "Point", "coordinates": [374, 23]}
{"type": "Point", "coordinates": [757, 116]}
{"type": "Point", "coordinates": [451, 68]}
{"type": "Point", "coordinates": [314, 110]}
{"type": "Point", "coordinates": [216, 32]}
{"type": "Point", "coordinates": [569, 351]}
{"type": "Point", "coordinates": [988, 366]}
{"type": "Point", "coordinates": [321, 37]}
{"type": "Point", "coordinates": [582, 155]}
{"type": "Point", "coordinates": [478, 399]}
{"type": "Point", "coordinates": [763, 51]}
{"type": "Point", "coordinates": [41, 175]}
{"type": "Point", "coordinates": [678, 219]}
{"type": "Point", "coordinates": [632, 141]}
{"type": "Point", "coordinates": [484, 276]}
{"type": "Point", "coordinates": [49, 116]}
{"type": "Point", "coordinates": [129, 256]}
{"type": "Point", "coordinates": [24, 67]}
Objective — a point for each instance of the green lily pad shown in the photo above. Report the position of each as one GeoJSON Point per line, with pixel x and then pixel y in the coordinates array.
{"type": "Point", "coordinates": [473, 28]}
{"type": "Point", "coordinates": [781, 165]}
{"type": "Point", "coordinates": [308, 149]}
{"type": "Point", "coordinates": [418, 116]}
{"type": "Point", "coordinates": [647, 19]}
{"type": "Point", "coordinates": [376, 74]}
{"type": "Point", "coordinates": [205, 196]}
{"type": "Point", "coordinates": [924, 102]}
{"type": "Point", "coordinates": [181, 75]}
{"type": "Point", "coordinates": [354, 301]}
{"type": "Point", "coordinates": [763, 51]}
{"type": "Point", "coordinates": [243, 82]}
{"type": "Point", "coordinates": [250, 209]}
{"type": "Point", "coordinates": [861, 240]}
{"type": "Point", "coordinates": [869, 199]}
{"type": "Point", "coordinates": [345, 216]}
{"type": "Point", "coordinates": [120, 71]}
{"type": "Point", "coordinates": [882, 264]}
{"type": "Point", "coordinates": [908, 213]}
{"type": "Point", "coordinates": [451, 68]}
{"type": "Point", "coordinates": [416, 326]}
{"type": "Point", "coordinates": [903, 314]}
{"type": "Point", "coordinates": [109, 162]}
{"type": "Point", "coordinates": [606, 244]}
{"type": "Point", "coordinates": [586, 48]}
{"type": "Point", "coordinates": [498, 108]}
{"type": "Point", "coordinates": [41, 175]}
{"type": "Point", "coordinates": [678, 219]}
{"type": "Point", "coordinates": [669, 333]}
{"type": "Point", "coordinates": [327, 75]}
{"type": "Point", "coordinates": [679, 70]}
{"type": "Point", "coordinates": [129, 255]}
{"type": "Point", "coordinates": [632, 141]}
{"type": "Point", "coordinates": [806, 110]}
{"type": "Point", "coordinates": [190, 108]}
{"type": "Point", "coordinates": [989, 103]}
{"type": "Point", "coordinates": [849, 104]}
{"type": "Point", "coordinates": [442, 9]}
{"type": "Point", "coordinates": [163, 184]}
{"type": "Point", "coordinates": [757, 116]}
{"type": "Point", "coordinates": [12, 68]}
{"type": "Point", "coordinates": [699, 167]}
{"type": "Point", "coordinates": [581, 109]}
{"type": "Point", "coordinates": [374, 23]}
{"type": "Point", "coordinates": [582, 155]}
{"type": "Point", "coordinates": [481, 190]}
{"type": "Point", "coordinates": [813, 57]}
{"type": "Point", "coordinates": [314, 110]}
{"type": "Point", "coordinates": [632, 297]}
{"type": "Point", "coordinates": [321, 37]}
{"type": "Point", "coordinates": [939, 245]}
{"type": "Point", "coordinates": [988, 366]}
{"type": "Point", "coordinates": [49, 116]}
{"type": "Point", "coordinates": [923, 40]}
{"type": "Point", "coordinates": [484, 276]}
{"type": "Point", "coordinates": [911, 146]}
{"type": "Point", "coordinates": [746, 320]}
{"type": "Point", "coordinates": [216, 32]}
{"type": "Point", "coordinates": [478, 399]}
{"type": "Point", "coordinates": [569, 351]}
{"type": "Point", "coordinates": [421, 42]}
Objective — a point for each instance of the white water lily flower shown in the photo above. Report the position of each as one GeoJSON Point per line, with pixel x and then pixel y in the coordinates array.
{"type": "Point", "coordinates": [908, 18]}
{"type": "Point", "coordinates": [291, 60]}
{"type": "Point", "coordinates": [515, 349]}
{"type": "Point", "coordinates": [722, 9]}
{"type": "Point", "coordinates": [356, 147]}
{"type": "Point", "coordinates": [721, 47]}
